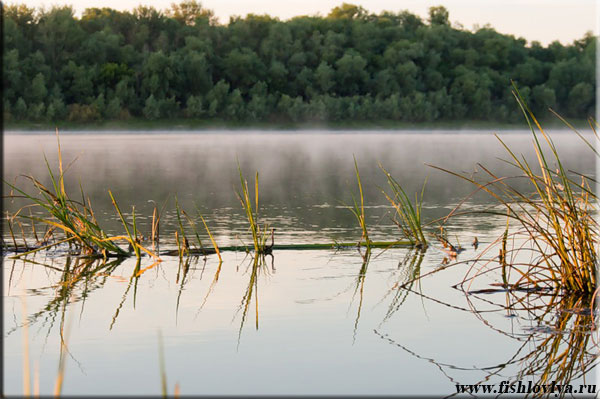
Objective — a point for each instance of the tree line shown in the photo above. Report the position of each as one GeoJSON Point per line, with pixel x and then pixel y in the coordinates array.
{"type": "Point", "coordinates": [350, 65]}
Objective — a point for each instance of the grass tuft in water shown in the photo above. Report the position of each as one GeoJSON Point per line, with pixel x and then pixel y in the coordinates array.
{"type": "Point", "coordinates": [554, 226]}
{"type": "Point", "coordinates": [408, 216]}
{"type": "Point", "coordinates": [259, 233]}
{"type": "Point", "coordinates": [75, 219]}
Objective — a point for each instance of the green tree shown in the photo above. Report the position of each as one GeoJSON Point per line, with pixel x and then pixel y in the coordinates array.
{"type": "Point", "coordinates": [157, 74]}
{"type": "Point", "coordinates": [11, 75]}
{"type": "Point", "coordinates": [243, 68]}
{"type": "Point", "coordinates": [77, 83]}
{"type": "Point", "coordinates": [324, 77]}
{"type": "Point", "coordinates": [438, 16]}
{"type": "Point", "coordinates": [113, 108]}
{"type": "Point", "coordinates": [277, 76]}
{"type": "Point", "coordinates": [217, 98]}
{"type": "Point", "coordinates": [38, 90]}
{"type": "Point", "coordinates": [168, 107]}
{"type": "Point", "coordinates": [36, 112]}
{"type": "Point", "coordinates": [20, 109]}
{"type": "Point", "coordinates": [542, 98]}
{"type": "Point", "coordinates": [60, 35]}
{"type": "Point", "coordinates": [258, 107]}
{"type": "Point", "coordinates": [100, 104]}
{"type": "Point", "coordinates": [581, 100]}
{"type": "Point", "coordinates": [348, 11]}
{"type": "Point", "coordinates": [197, 76]}
{"type": "Point", "coordinates": [189, 11]}
{"type": "Point", "coordinates": [350, 65]}
{"type": "Point", "coordinates": [235, 106]}
{"type": "Point", "coordinates": [351, 74]}
{"type": "Point", "coordinates": [151, 108]}
{"type": "Point", "coordinates": [195, 107]}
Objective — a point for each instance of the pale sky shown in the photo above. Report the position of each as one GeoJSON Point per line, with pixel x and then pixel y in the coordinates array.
{"type": "Point", "coordinates": [541, 20]}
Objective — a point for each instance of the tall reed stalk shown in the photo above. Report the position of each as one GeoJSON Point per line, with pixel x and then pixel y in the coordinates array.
{"type": "Point", "coordinates": [212, 239]}
{"type": "Point", "coordinates": [359, 210]}
{"type": "Point", "coordinates": [259, 235]}
{"type": "Point", "coordinates": [132, 240]}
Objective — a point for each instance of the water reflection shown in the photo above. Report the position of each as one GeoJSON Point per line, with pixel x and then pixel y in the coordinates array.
{"type": "Point", "coordinates": [554, 333]}
{"type": "Point", "coordinates": [79, 277]}
{"type": "Point", "coordinates": [556, 336]}
{"type": "Point", "coordinates": [133, 280]}
{"type": "Point", "coordinates": [360, 284]}
{"type": "Point", "coordinates": [254, 266]}
{"type": "Point", "coordinates": [410, 268]}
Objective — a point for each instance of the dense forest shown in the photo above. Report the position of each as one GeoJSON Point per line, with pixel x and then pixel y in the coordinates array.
{"type": "Point", "coordinates": [350, 65]}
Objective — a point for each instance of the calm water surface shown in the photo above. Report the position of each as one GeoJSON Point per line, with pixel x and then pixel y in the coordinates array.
{"type": "Point", "coordinates": [304, 322]}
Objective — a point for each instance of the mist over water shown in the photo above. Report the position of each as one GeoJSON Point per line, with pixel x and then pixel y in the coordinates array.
{"type": "Point", "coordinates": [305, 178]}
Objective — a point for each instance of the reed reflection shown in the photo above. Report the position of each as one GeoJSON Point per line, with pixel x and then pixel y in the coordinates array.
{"type": "Point", "coordinates": [257, 266]}
{"type": "Point", "coordinates": [77, 279]}
{"type": "Point", "coordinates": [556, 336]}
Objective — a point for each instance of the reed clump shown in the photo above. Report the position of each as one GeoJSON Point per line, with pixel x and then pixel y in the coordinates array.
{"type": "Point", "coordinates": [183, 246]}
{"type": "Point", "coordinates": [74, 218]}
{"type": "Point", "coordinates": [260, 234]}
{"type": "Point", "coordinates": [552, 223]}
{"type": "Point", "coordinates": [408, 215]}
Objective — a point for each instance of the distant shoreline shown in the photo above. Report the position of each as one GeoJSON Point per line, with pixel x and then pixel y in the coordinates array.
{"type": "Point", "coordinates": [186, 124]}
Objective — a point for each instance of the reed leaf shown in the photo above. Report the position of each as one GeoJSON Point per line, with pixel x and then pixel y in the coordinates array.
{"type": "Point", "coordinates": [409, 215]}
{"type": "Point", "coordinates": [131, 240]}
{"type": "Point", "coordinates": [259, 235]}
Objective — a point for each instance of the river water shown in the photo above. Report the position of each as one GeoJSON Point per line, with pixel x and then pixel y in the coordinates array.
{"type": "Point", "coordinates": [302, 321]}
